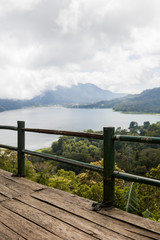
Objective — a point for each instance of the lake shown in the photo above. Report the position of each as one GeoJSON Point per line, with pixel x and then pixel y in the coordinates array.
{"type": "Point", "coordinates": [60, 118]}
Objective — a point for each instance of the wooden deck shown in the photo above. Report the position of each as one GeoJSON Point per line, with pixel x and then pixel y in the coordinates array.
{"type": "Point", "coordinates": [32, 211]}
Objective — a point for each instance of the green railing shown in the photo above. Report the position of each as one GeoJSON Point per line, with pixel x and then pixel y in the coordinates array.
{"type": "Point", "coordinates": [108, 137]}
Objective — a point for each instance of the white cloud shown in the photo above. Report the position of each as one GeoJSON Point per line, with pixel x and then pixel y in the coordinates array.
{"type": "Point", "coordinates": [113, 44]}
{"type": "Point", "coordinates": [8, 6]}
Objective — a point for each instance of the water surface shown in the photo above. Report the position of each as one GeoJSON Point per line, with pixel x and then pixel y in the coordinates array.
{"type": "Point", "coordinates": [60, 118]}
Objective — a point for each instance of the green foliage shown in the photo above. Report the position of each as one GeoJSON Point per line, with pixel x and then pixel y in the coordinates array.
{"type": "Point", "coordinates": [153, 130]}
{"type": "Point", "coordinates": [132, 201]}
{"type": "Point", "coordinates": [8, 160]}
{"type": "Point", "coordinates": [147, 214]}
{"type": "Point", "coordinates": [149, 196]}
{"type": "Point", "coordinates": [93, 192]}
{"type": "Point", "coordinates": [120, 193]}
{"type": "Point", "coordinates": [153, 216]}
{"type": "Point", "coordinates": [64, 180]}
{"type": "Point", "coordinates": [133, 125]}
{"type": "Point", "coordinates": [44, 167]}
{"type": "Point", "coordinates": [91, 184]}
{"type": "Point", "coordinates": [42, 178]}
{"type": "Point", "coordinates": [29, 170]}
{"type": "Point", "coordinates": [138, 158]}
{"type": "Point", "coordinates": [84, 150]}
{"type": "Point", "coordinates": [146, 102]}
{"type": "Point", "coordinates": [149, 157]}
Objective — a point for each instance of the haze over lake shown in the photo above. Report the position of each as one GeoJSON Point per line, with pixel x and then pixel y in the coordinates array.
{"type": "Point", "coordinates": [60, 118]}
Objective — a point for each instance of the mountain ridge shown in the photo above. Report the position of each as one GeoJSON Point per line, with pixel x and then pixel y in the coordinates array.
{"type": "Point", "coordinates": [81, 93]}
{"type": "Point", "coordinates": [147, 101]}
{"type": "Point", "coordinates": [76, 94]}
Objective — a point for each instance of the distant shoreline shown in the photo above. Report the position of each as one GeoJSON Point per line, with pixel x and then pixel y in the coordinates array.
{"type": "Point", "coordinates": [62, 106]}
{"type": "Point", "coordinates": [147, 113]}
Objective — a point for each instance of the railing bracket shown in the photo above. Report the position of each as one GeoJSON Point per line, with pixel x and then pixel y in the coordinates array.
{"type": "Point", "coordinates": [16, 175]}
{"type": "Point", "coordinates": [98, 206]}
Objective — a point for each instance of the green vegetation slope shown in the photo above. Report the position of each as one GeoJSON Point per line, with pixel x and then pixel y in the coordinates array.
{"type": "Point", "coordinates": [146, 102]}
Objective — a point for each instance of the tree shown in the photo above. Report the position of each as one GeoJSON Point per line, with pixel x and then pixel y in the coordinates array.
{"type": "Point", "coordinates": [146, 124]}
{"type": "Point", "coordinates": [64, 180]}
{"type": "Point", "coordinates": [133, 125]}
{"type": "Point", "coordinates": [149, 158]}
{"type": "Point", "coordinates": [42, 178]}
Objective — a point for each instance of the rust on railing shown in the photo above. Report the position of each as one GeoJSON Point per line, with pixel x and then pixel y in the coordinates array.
{"type": "Point", "coordinates": [66, 133]}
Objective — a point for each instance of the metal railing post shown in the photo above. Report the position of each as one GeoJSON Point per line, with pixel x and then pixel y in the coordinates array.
{"type": "Point", "coordinates": [21, 146]}
{"type": "Point", "coordinates": [109, 162]}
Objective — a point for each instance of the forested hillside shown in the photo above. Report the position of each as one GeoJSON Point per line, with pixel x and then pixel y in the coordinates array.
{"type": "Point", "coordinates": [146, 102]}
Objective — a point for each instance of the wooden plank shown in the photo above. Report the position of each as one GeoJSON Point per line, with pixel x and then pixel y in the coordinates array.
{"type": "Point", "coordinates": [76, 221]}
{"type": "Point", "coordinates": [3, 172]}
{"type": "Point", "coordinates": [52, 224]}
{"type": "Point", "coordinates": [133, 219]}
{"type": "Point", "coordinates": [22, 181]}
{"type": "Point", "coordinates": [2, 197]}
{"type": "Point", "coordinates": [15, 186]}
{"type": "Point", "coordinates": [71, 197]}
{"type": "Point", "coordinates": [115, 213]}
{"type": "Point", "coordinates": [7, 192]}
{"type": "Point", "coordinates": [115, 225]}
{"type": "Point", "coordinates": [26, 229]}
{"type": "Point", "coordinates": [26, 182]}
{"type": "Point", "coordinates": [137, 223]}
{"type": "Point", "coordinates": [8, 234]}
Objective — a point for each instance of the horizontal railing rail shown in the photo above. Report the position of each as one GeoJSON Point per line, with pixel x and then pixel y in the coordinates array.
{"type": "Point", "coordinates": [65, 160]}
{"type": "Point", "coordinates": [135, 178]}
{"type": "Point", "coordinates": [3, 127]}
{"type": "Point", "coordinates": [116, 174]}
{"type": "Point", "coordinates": [8, 127]}
{"type": "Point", "coordinates": [108, 137]}
{"type": "Point", "coordinates": [66, 133]}
{"type": "Point", "coordinates": [126, 138]}
{"type": "Point", "coordinates": [9, 147]}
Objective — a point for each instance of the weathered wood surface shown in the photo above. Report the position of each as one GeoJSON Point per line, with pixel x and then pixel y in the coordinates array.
{"type": "Point", "coordinates": [32, 211]}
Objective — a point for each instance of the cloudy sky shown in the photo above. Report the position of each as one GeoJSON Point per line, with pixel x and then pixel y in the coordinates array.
{"type": "Point", "coordinates": [45, 43]}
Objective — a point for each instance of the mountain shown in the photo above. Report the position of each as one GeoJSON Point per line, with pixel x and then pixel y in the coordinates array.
{"type": "Point", "coordinates": [146, 102]}
{"type": "Point", "coordinates": [81, 93]}
{"type": "Point", "coordinates": [76, 94]}
{"type": "Point", "coordinates": [90, 96]}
